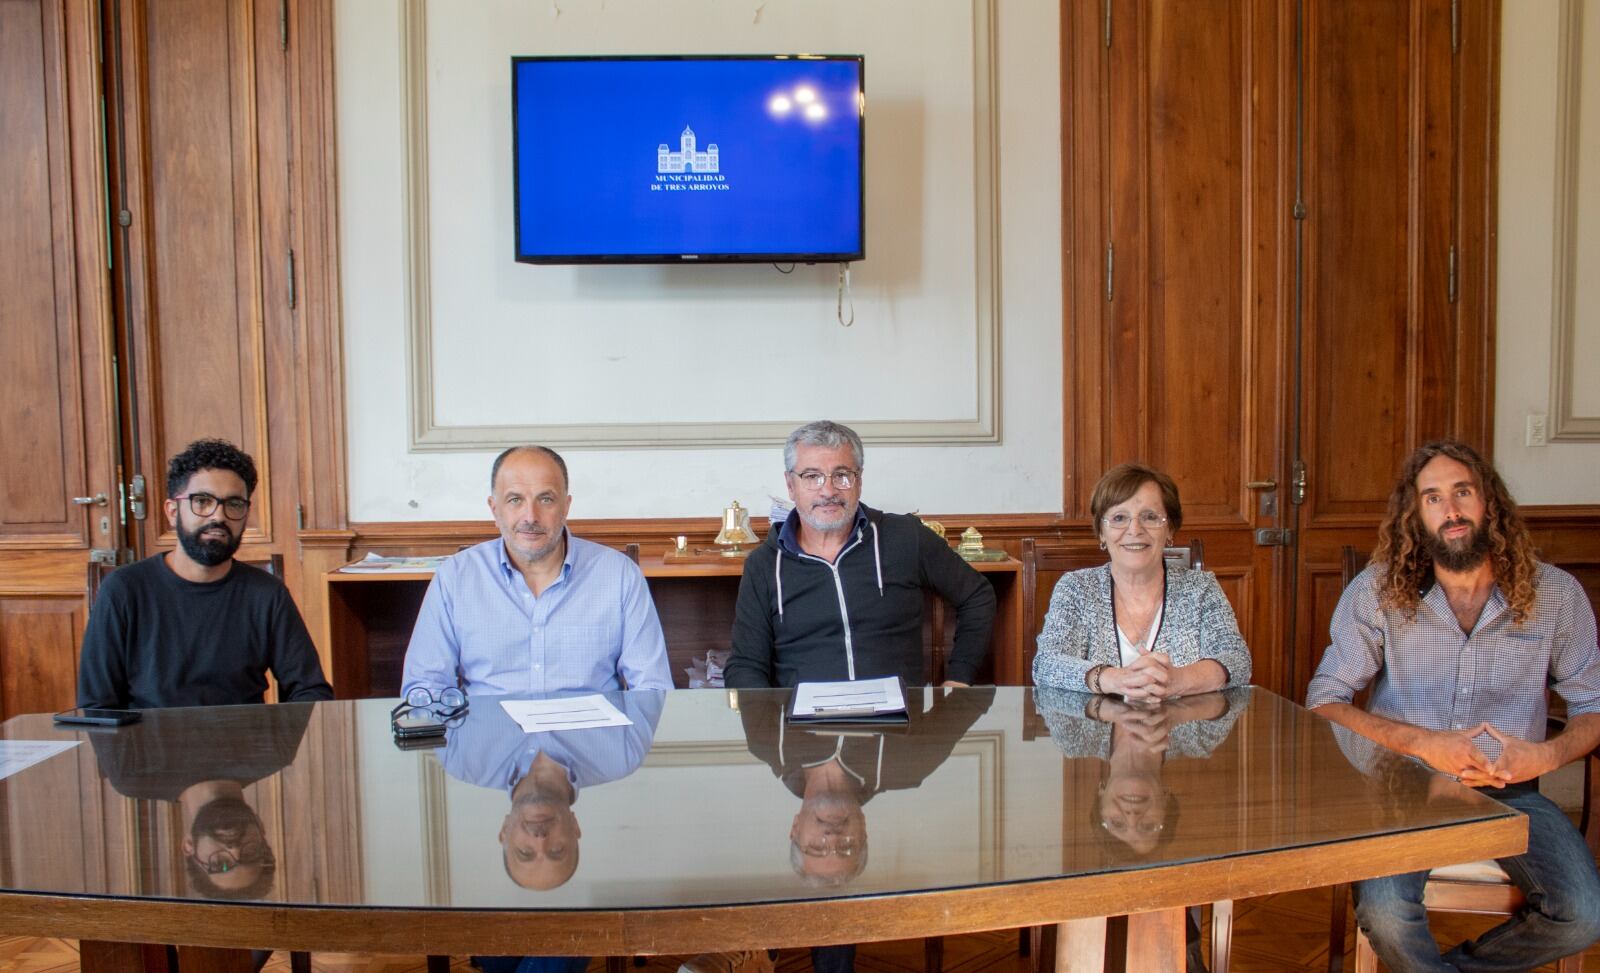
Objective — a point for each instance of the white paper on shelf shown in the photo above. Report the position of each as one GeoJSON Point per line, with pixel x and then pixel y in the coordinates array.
{"type": "Point", "coordinates": [568, 713]}
{"type": "Point", "coordinates": [859, 696]}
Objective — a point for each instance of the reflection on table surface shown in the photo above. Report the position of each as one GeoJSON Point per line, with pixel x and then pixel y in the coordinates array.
{"type": "Point", "coordinates": [708, 797]}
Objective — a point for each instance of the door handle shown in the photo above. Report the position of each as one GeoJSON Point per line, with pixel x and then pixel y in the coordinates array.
{"type": "Point", "coordinates": [98, 500]}
{"type": "Point", "coordinates": [1262, 485]}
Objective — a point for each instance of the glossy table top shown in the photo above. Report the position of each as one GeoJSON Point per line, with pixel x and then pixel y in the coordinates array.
{"type": "Point", "coordinates": [710, 800]}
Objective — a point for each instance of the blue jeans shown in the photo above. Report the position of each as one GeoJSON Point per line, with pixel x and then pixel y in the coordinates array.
{"type": "Point", "coordinates": [1556, 874]}
{"type": "Point", "coordinates": [532, 964]}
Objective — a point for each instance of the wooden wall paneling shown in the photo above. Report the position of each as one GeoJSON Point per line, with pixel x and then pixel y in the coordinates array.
{"type": "Point", "coordinates": [270, 197]}
{"type": "Point", "coordinates": [1477, 109]}
{"type": "Point", "coordinates": [1398, 161]}
{"type": "Point", "coordinates": [42, 454]}
{"type": "Point", "coordinates": [1357, 313]}
{"type": "Point", "coordinates": [38, 652]}
{"type": "Point", "coordinates": [1568, 536]}
{"type": "Point", "coordinates": [321, 551]}
{"type": "Point", "coordinates": [319, 336]}
{"type": "Point", "coordinates": [54, 405]}
{"type": "Point", "coordinates": [194, 308]}
{"type": "Point", "coordinates": [1085, 159]}
{"type": "Point", "coordinates": [1191, 338]}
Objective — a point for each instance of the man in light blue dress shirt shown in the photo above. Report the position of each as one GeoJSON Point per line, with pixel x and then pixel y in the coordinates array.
{"type": "Point", "coordinates": [537, 610]}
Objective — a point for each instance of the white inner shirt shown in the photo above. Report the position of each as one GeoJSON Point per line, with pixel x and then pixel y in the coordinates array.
{"type": "Point", "coordinates": [1128, 650]}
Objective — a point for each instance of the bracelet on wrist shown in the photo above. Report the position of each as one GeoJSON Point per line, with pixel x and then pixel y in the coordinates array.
{"type": "Point", "coordinates": [1093, 679]}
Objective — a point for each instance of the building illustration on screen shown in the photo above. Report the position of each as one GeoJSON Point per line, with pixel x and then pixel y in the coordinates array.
{"type": "Point", "coordinates": [686, 159]}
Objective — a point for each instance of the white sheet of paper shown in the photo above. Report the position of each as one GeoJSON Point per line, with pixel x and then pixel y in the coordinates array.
{"type": "Point", "coordinates": [18, 755]}
{"type": "Point", "coordinates": [874, 695]}
{"type": "Point", "coordinates": [570, 713]}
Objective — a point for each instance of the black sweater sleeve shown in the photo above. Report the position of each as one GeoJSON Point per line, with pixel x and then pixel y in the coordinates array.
{"type": "Point", "coordinates": [973, 598]}
{"type": "Point", "coordinates": [102, 660]}
{"type": "Point", "coordinates": [751, 664]}
{"type": "Point", "coordinates": [294, 658]}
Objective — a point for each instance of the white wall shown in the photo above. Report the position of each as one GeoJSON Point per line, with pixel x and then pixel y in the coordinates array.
{"type": "Point", "coordinates": [1530, 38]}
{"type": "Point", "coordinates": [601, 344]}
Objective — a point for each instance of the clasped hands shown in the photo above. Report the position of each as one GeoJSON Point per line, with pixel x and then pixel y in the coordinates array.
{"type": "Point", "coordinates": [1150, 678]}
{"type": "Point", "coordinates": [1453, 752]}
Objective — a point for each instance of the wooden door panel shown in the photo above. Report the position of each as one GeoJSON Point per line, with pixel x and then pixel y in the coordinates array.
{"type": "Point", "coordinates": [1196, 354]}
{"type": "Point", "coordinates": [1395, 344]}
{"type": "Point", "coordinates": [42, 461]}
{"type": "Point", "coordinates": [39, 653]}
{"type": "Point", "coordinates": [55, 408]}
{"type": "Point", "coordinates": [195, 297]}
{"type": "Point", "coordinates": [1359, 233]}
{"type": "Point", "coordinates": [1192, 187]}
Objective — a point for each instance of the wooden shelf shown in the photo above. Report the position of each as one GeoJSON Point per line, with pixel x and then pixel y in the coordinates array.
{"type": "Point", "coordinates": [369, 617]}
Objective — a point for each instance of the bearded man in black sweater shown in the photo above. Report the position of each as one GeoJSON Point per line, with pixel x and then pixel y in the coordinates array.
{"type": "Point", "coordinates": [193, 626]}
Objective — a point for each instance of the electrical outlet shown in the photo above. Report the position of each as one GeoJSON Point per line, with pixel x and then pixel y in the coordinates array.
{"type": "Point", "coordinates": [1537, 435]}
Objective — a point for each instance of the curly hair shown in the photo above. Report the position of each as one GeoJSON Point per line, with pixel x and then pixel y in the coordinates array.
{"type": "Point", "coordinates": [1402, 552]}
{"type": "Point", "coordinates": [210, 454]}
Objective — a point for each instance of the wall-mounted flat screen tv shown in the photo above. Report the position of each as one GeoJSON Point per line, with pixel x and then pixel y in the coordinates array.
{"type": "Point", "coordinates": [752, 159]}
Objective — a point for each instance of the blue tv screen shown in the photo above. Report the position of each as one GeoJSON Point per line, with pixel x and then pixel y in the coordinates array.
{"type": "Point", "coordinates": [688, 159]}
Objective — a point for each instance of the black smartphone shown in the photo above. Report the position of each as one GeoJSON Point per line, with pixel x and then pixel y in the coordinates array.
{"type": "Point", "coordinates": [418, 723]}
{"type": "Point", "coordinates": [98, 717]}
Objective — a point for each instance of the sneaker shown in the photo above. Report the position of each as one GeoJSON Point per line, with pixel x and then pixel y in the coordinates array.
{"type": "Point", "coordinates": [744, 961]}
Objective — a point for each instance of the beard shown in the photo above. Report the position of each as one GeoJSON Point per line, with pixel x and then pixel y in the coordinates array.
{"type": "Point", "coordinates": [1462, 554]}
{"type": "Point", "coordinates": [209, 550]}
{"type": "Point", "coordinates": [534, 543]}
{"type": "Point", "coordinates": [826, 516]}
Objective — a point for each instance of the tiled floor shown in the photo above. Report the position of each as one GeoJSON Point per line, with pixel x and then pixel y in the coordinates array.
{"type": "Point", "coordinates": [1275, 934]}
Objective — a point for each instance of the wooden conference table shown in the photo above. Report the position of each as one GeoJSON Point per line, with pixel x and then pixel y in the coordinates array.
{"type": "Point", "coordinates": [993, 808]}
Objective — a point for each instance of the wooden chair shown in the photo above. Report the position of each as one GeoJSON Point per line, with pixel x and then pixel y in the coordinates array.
{"type": "Point", "coordinates": [1476, 888]}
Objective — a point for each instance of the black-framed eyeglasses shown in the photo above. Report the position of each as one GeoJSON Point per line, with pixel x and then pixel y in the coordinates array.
{"type": "Point", "coordinates": [204, 505]}
{"type": "Point", "coordinates": [446, 704]}
{"type": "Point", "coordinates": [842, 479]}
{"type": "Point", "coordinates": [252, 849]}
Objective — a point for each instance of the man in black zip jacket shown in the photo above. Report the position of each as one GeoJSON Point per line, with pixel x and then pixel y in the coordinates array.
{"type": "Point", "coordinates": [836, 591]}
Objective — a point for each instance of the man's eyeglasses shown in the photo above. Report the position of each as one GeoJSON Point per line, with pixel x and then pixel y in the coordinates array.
{"type": "Point", "coordinates": [842, 479]}
{"type": "Point", "coordinates": [840, 845]}
{"type": "Point", "coordinates": [450, 702]}
{"type": "Point", "coordinates": [1148, 519]}
{"type": "Point", "coordinates": [204, 504]}
{"type": "Point", "coordinates": [251, 850]}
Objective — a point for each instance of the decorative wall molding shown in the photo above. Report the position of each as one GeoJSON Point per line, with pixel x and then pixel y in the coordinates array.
{"type": "Point", "coordinates": [1565, 424]}
{"type": "Point", "coordinates": [427, 434]}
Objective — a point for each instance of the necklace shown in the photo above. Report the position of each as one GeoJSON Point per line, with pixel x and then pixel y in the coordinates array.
{"type": "Point", "coordinates": [1161, 618]}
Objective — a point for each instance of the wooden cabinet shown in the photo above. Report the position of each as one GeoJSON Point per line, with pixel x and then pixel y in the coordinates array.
{"type": "Point", "coordinates": [369, 620]}
{"type": "Point", "coordinates": [1278, 237]}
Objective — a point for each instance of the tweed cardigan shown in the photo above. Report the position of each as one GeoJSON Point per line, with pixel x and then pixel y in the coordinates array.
{"type": "Point", "coordinates": [1079, 633]}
